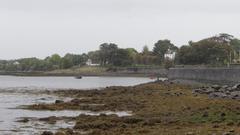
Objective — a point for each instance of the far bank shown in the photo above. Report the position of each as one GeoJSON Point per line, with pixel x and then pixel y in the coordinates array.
{"type": "Point", "coordinates": [96, 71]}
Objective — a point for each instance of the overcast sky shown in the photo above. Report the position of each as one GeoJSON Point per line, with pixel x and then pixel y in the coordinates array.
{"type": "Point", "coordinates": [42, 27]}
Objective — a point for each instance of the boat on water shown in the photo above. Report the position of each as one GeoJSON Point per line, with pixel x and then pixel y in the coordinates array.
{"type": "Point", "coordinates": [78, 77]}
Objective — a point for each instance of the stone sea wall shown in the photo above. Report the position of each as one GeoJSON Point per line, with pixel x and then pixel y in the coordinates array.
{"type": "Point", "coordinates": [206, 74]}
{"type": "Point", "coordinates": [142, 71]}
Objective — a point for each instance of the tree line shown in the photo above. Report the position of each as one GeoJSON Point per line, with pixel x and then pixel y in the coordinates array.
{"type": "Point", "coordinates": [49, 63]}
{"type": "Point", "coordinates": [217, 50]}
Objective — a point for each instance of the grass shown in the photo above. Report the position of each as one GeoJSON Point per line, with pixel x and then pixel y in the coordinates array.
{"type": "Point", "coordinates": [85, 70]}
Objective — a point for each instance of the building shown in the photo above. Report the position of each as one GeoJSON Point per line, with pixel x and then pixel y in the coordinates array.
{"type": "Point", "coordinates": [170, 55]}
{"type": "Point", "coordinates": [90, 63]}
{"type": "Point", "coordinates": [16, 63]}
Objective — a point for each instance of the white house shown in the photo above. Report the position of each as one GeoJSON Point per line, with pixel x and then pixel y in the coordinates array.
{"type": "Point", "coordinates": [170, 55]}
{"type": "Point", "coordinates": [90, 63]}
{"type": "Point", "coordinates": [16, 63]}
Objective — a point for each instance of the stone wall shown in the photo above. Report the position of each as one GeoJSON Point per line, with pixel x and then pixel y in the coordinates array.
{"type": "Point", "coordinates": [206, 74]}
{"type": "Point", "coordinates": [144, 71]}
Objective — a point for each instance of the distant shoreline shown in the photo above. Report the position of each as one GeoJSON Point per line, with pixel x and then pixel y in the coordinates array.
{"type": "Point", "coordinates": [114, 74]}
{"type": "Point", "coordinates": [94, 71]}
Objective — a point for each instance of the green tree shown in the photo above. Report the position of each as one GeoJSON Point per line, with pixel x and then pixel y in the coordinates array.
{"type": "Point", "coordinates": [133, 54]}
{"type": "Point", "coordinates": [55, 61]}
{"type": "Point", "coordinates": [66, 63]}
{"type": "Point", "coordinates": [235, 44]}
{"type": "Point", "coordinates": [161, 47]}
{"type": "Point", "coordinates": [70, 60]}
{"type": "Point", "coordinates": [106, 53]}
{"type": "Point", "coordinates": [145, 50]}
{"type": "Point", "coordinates": [121, 58]}
{"type": "Point", "coordinates": [184, 55]}
{"type": "Point", "coordinates": [205, 51]}
{"type": "Point", "coordinates": [94, 56]}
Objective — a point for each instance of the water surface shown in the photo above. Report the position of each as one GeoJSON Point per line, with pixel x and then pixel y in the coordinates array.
{"type": "Point", "coordinates": [13, 82]}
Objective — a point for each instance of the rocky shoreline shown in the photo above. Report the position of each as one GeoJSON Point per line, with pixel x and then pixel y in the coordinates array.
{"type": "Point", "coordinates": [164, 107]}
{"type": "Point", "coordinates": [217, 91]}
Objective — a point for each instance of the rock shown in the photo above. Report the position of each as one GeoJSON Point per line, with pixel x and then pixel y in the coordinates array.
{"type": "Point", "coordinates": [215, 126]}
{"type": "Point", "coordinates": [222, 114]}
{"type": "Point", "coordinates": [196, 90]}
{"type": "Point", "coordinates": [225, 86]}
{"type": "Point", "coordinates": [69, 131]}
{"type": "Point", "coordinates": [59, 101]}
{"type": "Point", "coordinates": [210, 90]}
{"type": "Point", "coordinates": [171, 82]}
{"type": "Point", "coordinates": [216, 91]}
{"type": "Point", "coordinates": [235, 95]}
{"type": "Point", "coordinates": [50, 120]}
{"type": "Point", "coordinates": [229, 89]}
{"type": "Point", "coordinates": [47, 133]}
{"type": "Point", "coordinates": [230, 123]}
{"type": "Point", "coordinates": [103, 115]}
{"type": "Point", "coordinates": [43, 99]}
{"type": "Point", "coordinates": [236, 86]}
{"type": "Point", "coordinates": [76, 101]}
{"type": "Point", "coordinates": [227, 133]}
{"type": "Point", "coordinates": [224, 90]}
{"type": "Point", "coordinates": [228, 92]}
{"type": "Point", "coordinates": [24, 120]}
{"type": "Point", "coordinates": [205, 114]}
{"type": "Point", "coordinates": [203, 90]}
{"type": "Point", "coordinates": [216, 87]}
{"type": "Point", "coordinates": [60, 133]}
{"type": "Point", "coordinates": [195, 95]}
{"type": "Point", "coordinates": [217, 95]}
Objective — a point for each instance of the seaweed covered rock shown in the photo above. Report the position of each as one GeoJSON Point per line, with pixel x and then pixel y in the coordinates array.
{"type": "Point", "coordinates": [59, 101]}
{"type": "Point", "coordinates": [217, 91]}
{"type": "Point", "coordinates": [47, 133]}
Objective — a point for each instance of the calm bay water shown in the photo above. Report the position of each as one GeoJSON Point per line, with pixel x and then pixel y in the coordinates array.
{"type": "Point", "coordinates": [12, 95]}
{"type": "Point", "coordinates": [12, 82]}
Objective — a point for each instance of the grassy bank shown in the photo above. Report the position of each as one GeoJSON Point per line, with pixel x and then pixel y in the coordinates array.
{"type": "Point", "coordinates": [86, 70]}
{"type": "Point", "coordinates": [158, 108]}
{"type": "Point", "coordinates": [91, 71]}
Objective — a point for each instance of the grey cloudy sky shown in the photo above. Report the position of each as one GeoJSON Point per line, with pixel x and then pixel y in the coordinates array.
{"type": "Point", "coordinates": [43, 27]}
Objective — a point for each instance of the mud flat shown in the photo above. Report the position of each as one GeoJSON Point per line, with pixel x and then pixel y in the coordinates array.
{"type": "Point", "coordinates": [154, 108]}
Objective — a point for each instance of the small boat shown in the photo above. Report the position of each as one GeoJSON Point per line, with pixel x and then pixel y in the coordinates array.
{"type": "Point", "coordinates": [78, 77]}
